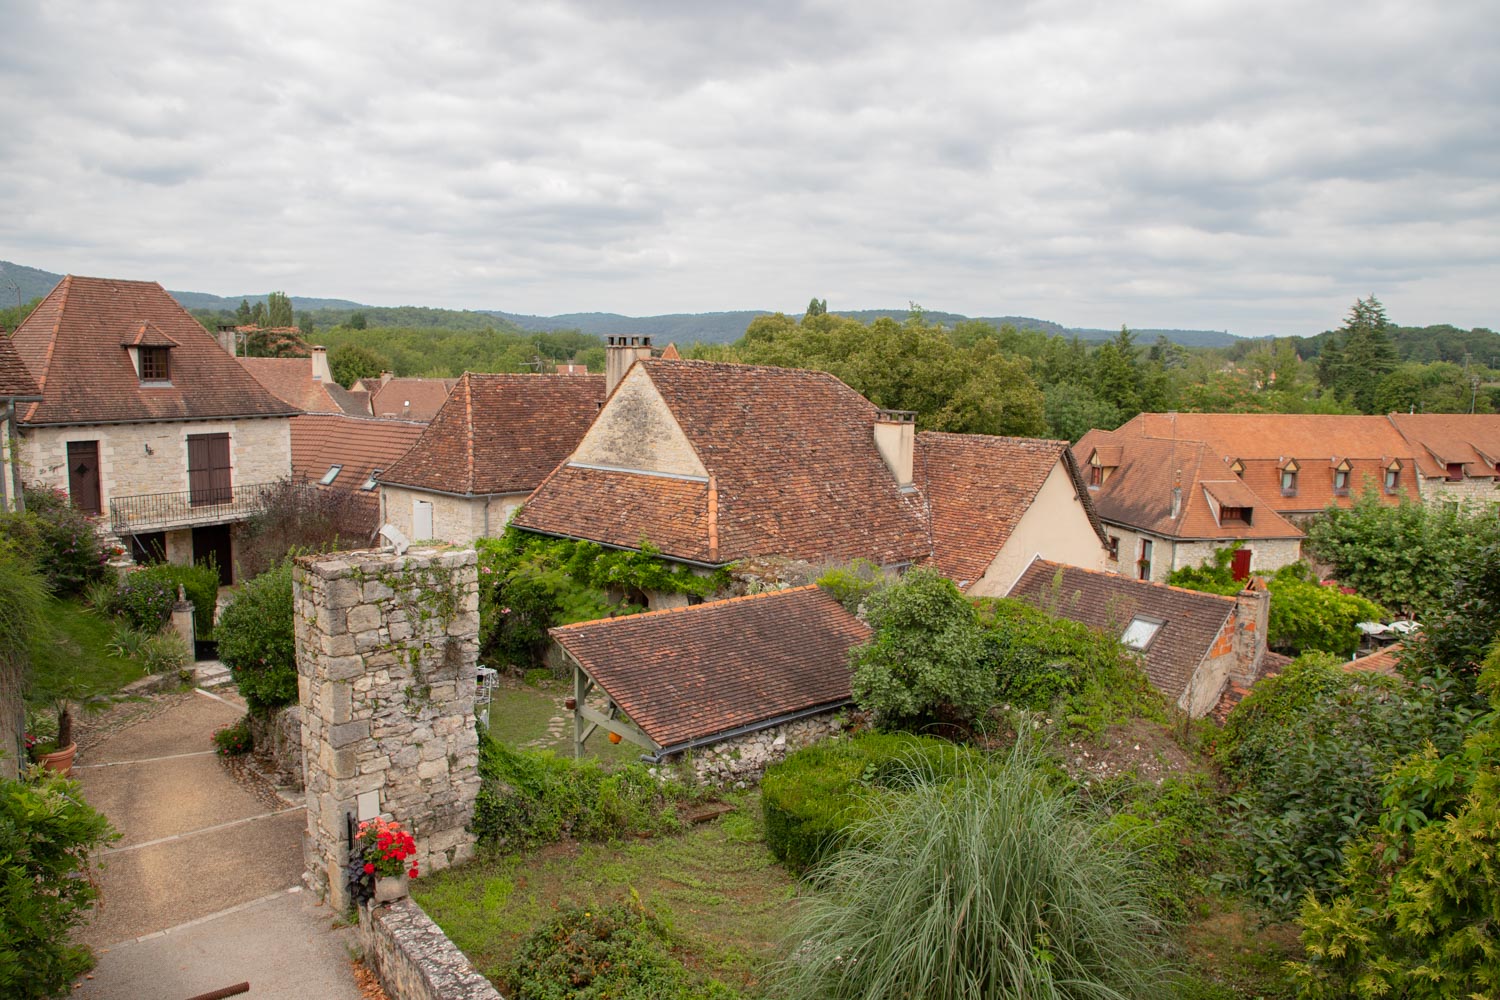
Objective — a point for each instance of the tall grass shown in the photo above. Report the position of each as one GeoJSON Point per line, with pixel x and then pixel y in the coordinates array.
{"type": "Point", "coordinates": [988, 887]}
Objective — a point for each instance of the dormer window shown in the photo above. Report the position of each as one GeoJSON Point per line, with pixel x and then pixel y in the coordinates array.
{"type": "Point", "coordinates": [1104, 460]}
{"type": "Point", "coordinates": [1096, 475]}
{"type": "Point", "coordinates": [1289, 478]}
{"type": "Point", "coordinates": [1341, 478]}
{"type": "Point", "coordinates": [1393, 477]}
{"type": "Point", "coordinates": [1455, 472]}
{"type": "Point", "coordinates": [1235, 515]}
{"type": "Point", "coordinates": [155, 364]}
{"type": "Point", "coordinates": [330, 475]}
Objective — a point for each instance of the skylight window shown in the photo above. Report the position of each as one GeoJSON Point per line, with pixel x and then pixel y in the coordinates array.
{"type": "Point", "coordinates": [1140, 633]}
{"type": "Point", "coordinates": [331, 475]}
{"type": "Point", "coordinates": [370, 483]}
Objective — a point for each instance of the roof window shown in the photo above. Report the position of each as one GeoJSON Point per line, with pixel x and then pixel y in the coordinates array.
{"type": "Point", "coordinates": [370, 483]}
{"type": "Point", "coordinates": [1393, 476]}
{"type": "Point", "coordinates": [1289, 478]}
{"type": "Point", "coordinates": [1235, 515]}
{"type": "Point", "coordinates": [1141, 632]}
{"type": "Point", "coordinates": [330, 475]}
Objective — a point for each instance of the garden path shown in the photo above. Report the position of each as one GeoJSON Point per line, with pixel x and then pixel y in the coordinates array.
{"type": "Point", "coordinates": [202, 889]}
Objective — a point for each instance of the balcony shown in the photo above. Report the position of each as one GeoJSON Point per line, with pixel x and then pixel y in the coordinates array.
{"type": "Point", "coordinates": [161, 511]}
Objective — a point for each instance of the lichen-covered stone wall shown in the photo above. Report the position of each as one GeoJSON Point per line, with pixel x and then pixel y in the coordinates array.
{"type": "Point", "coordinates": [386, 651]}
{"type": "Point", "coordinates": [413, 958]}
{"type": "Point", "coordinates": [742, 761]}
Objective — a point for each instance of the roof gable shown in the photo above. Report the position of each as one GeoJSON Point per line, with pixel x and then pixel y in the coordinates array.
{"type": "Point", "coordinates": [74, 343]}
{"type": "Point", "coordinates": [692, 673]}
{"type": "Point", "coordinates": [638, 431]}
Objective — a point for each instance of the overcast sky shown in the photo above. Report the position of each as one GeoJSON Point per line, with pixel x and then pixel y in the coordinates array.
{"type": "Point", "coordinates": [1253, 167]}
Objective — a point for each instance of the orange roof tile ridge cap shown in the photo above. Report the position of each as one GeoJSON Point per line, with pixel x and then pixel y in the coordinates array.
{"type": "Point", "coordinates": [605, 622]}
{"type": "Point", "coordinates": [469, 432]}
{"type": "Point", "coordinates": [63, 287]}
{"type": "Point", "coordinates": [1149, 583]}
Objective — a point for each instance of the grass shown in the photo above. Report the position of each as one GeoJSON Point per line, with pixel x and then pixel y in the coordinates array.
{"type": "Point", "coordinates": [81, 651]}
{"type": "Point", "coordinates": [1232, 955]}
{"type": "Point", "coordinates": [715, 886]}
{"type": "Point", "coordinates": [526, 715]}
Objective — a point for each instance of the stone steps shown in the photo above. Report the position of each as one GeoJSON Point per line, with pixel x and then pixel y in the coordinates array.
{"type": "Point", "coordinates": [211, 674]}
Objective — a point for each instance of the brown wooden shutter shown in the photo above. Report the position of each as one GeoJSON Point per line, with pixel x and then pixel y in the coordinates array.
{"type": "Point", "coordinates": [209, 479]}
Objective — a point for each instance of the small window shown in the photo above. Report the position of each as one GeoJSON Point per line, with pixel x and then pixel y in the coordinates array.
{"type": "Point", "coordinates": [331, 475]}
{"type": "Point", "coordinates": [1455, 472]}
{"type": "Point", "coordinates": [1289, 482]}
{"type": "Point", "coordinates": [1140, 633]}
{"type": "Point", "coordinates": [1096, 475]}
{"type": "Point", "coordinates": [1144, 562]}
{"type": "Point", "coordinates": [1112, 546]}
{"type": "Point", "coordinates": [1392, 478]}
{"type": "Point", "coordinates": [370, 484]}
{"type": "Point", "coordinates": [154, 364]}
{"type": "Point", "coordinates": [1341, 481]}
{"type": "Point", "coordinates": [1237, 515]}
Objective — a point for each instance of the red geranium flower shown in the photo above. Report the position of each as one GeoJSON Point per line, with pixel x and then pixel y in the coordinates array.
{"type": "Point", "coordinates": [369, 868]}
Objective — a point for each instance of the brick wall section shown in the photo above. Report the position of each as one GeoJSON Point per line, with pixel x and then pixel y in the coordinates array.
{"type": "Point", "coordinates": [386, 651]}
{"type": "Point", "coordinates": [413, 958]}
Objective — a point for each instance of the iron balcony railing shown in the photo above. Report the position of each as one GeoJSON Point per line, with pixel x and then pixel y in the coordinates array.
{"type": "Point", "coordinates": [155, 511]}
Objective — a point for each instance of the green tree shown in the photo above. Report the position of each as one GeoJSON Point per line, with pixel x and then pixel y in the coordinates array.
{"type": "Point", "coordinates": [256, 641]}
{"type": "Point", "coordinates": [1117, 377]}
{"type": "Point", "coordinates": [258, 314]}
{"type": "Point", "coordinates": [278, 310]}
{"type": "Point", "coordinates": [817, 307]}
{"type": "Point", "coordinates": [243, 315]}
{"type": "Point", "coordinates": [357, 321]}
{"type": "Point", "coordinates": [350, 362]}
{"type": "Point", "coordinates": [1359, 355]}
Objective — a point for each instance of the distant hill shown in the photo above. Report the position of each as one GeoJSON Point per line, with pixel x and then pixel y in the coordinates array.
{"type": "Point", "coordinates": [203, 300]}
{"type": "Point", "coordinates": [33, 284]}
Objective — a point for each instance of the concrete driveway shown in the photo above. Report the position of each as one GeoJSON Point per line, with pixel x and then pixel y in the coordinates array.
{"type": "Point", "coordinates": [202, 891]}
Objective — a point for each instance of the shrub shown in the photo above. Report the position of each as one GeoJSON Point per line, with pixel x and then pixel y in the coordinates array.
{"type": "Point", "coordinates": [47, 833]}
{"type": "Point", "coordinates": [59, 538]}
{"type": "Point", "coordinates": [991, 886]}
{"type": "Point", "coordinates": [811, 799]}
{"type": "Point", "coordinates": [165, 653]}
{"type": "Point", "coordinates": [618, 952]}
{"type": "Point", "coordinates": [851, 584]}
{"type": "Point", "coordinates": [532, 797]}
{"type": "Point", "coordinates": [298, 517]}
{"type": "Point", "coordinates": [256, 640]}
{"type": "Point", "coordinates": [234, 739]}
{"type": "Point", "coordinates": [926, 660]}
{"type": "Point", "coordinates": [145, 597]}
{"type": "Point", "coordinates": [23, 626]}
{"type": "Point", "coordinates": [1175, 828]}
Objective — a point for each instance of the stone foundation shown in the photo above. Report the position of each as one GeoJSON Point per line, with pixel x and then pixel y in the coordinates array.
{"type": "Point", "coordinates": [413, 958]}
{"type": "Point", "coordinates": [742, 761]}
{"type": "Point", "coordinates": [386, 650]}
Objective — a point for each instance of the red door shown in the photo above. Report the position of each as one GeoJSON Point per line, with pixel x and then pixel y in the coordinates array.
{"type": "Point", "coordinates": [1241, 564]}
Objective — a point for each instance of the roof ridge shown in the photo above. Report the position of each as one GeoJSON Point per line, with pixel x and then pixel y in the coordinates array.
{"type": "Point", "coordinates": [468, 433]}
{"type": "Point", "coordinates": [689, 607]}
{"type": "Point", "coordinates": [1133, 580]}
{"type": "Point", "coordinates": [1058, 442]}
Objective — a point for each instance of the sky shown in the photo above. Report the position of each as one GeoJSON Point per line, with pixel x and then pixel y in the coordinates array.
{"type": "Point", "coordinates": [1250, 167]}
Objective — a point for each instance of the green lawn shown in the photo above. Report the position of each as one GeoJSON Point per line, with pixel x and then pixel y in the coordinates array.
{"type": "Point", "coordinates": [81, 652]}
{"type": "Point", "coordinates": [724, 897]}
{"type": "Point", "coordinates": [532, 716]}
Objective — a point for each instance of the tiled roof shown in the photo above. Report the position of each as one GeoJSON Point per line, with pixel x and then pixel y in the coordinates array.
{"type": "Point", "coordinates": [501, 433]}
{"type": "Point", "coordinates": [978, 488]}
{"type": "Point", "coordinates": [794, 472]}
{"type": "Point", "coordinates": [669, 353]}
{"type": "Point", "coordinates": [1138, 492]}
{"type": "Point", "coordinates": [72, 341]}
{"type": "Point", "coordinates": [410, 398]}
{"type": "Point", "coordinates": [359, 444]}
{"type": "Point", "coordinates": [695, 672]}
{"type": "Point", "coordinates": [291, 381]}
{"type": "Point", "coordinates": [148, 334]}
{"type": "Point", "coordinates": [1264, 441]}
{"type": "Point", "coordinates": [15, 380]}
{"type": "Point", "coordinates": [1437, 439]}
{"type": "Point", "coordinates": [1384, 661]}
{"type": "Point", "coordinates": [1108, 602]}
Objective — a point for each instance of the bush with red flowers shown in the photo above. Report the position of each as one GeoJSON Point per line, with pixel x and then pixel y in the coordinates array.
{"type": "Point", "coordinates": [382, 848]}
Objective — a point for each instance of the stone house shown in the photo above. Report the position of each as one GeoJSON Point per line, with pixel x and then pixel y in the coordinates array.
{"type": "Point", "coordinates": [145, 421]}
{"type": "Point", "coordinates": [16, 387]}
{"type": "Point", "coordinates": [1457, 455]}
{"type": "Point", "coordinates": [1192, 645]}
{"type": "Point", "coordinates": [715, 463]}
{"type": "Point", "coordinates": [729, 686]}
{"type": "Point", "coordinates": [494, 440]}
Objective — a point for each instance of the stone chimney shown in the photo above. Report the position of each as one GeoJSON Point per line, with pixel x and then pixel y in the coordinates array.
{"type": "Point", "coordinates": [386, 377]}
{"type": "Point", "coordinates": [1253, 614]}
{"type": "Point", "coordinates": [619, 354]}
{"type": "Point", "coordinates": [896, 439]}
{"type": "Point", "coordinates": [320, 369]}
{"type": "Point", "coordinates": [228, 338]}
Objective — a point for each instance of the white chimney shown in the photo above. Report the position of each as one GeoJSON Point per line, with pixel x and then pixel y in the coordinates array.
{"type": "Point", "coordinates": [320, 370]}
{"type": "Point", "coordinates": [619, 354]}
{"type": "Point", "coordinates": [896, 439]}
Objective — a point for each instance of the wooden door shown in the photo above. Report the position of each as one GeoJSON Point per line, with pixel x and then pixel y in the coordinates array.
{"type": "Point", "coordinates": [209, 480]}
{"type": "Point", "coordinates": [83, 476]}
{"type": "Point", "coordinates": [1241, 564]}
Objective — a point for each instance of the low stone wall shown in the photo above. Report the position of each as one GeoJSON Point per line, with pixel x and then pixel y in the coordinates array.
{"type": "Point", "coordinates": [413, 958]}
{"type": "Point", "coordinates": [741, 761]}
{"type": "Point", "coordinates": [279, 734]}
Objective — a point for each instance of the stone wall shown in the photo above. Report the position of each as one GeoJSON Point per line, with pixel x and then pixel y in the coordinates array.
{"type": "Point", "coordinates": [741, 761]}
{"type": "Point", "coordinates": [1437, 491]}
{"type": "Point", "coordinates": [279, 734]}
{"type": "Point", "coordinates": [386, 650]}
{"type": "Point", "coordinates": [413, 958]}
{"type": "Point", "coordinates": [454, 519]}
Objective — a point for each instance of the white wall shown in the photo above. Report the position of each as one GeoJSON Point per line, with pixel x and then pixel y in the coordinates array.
{"type": "Point", "coordinates": [637, 431]}
{"type": "Point", "coordinates": [454, 519]}
{"type": "Point", "coordinates": [1056, 527]}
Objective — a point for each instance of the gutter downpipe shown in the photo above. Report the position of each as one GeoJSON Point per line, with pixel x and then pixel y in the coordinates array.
{"type": "Point", "coordinates": [749, 727]}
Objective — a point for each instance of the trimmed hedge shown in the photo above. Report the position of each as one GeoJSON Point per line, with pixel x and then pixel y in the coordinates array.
{"type": "Point", "coordinates": [813, 798]}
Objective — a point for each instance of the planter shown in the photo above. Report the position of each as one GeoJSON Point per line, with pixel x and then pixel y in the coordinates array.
{"type": "Point", "coordinates": [389, 887]}
{"type": "Point", "coordinates": [60, 761]}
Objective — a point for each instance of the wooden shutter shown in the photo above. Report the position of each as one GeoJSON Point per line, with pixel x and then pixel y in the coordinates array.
{"type": "Point", "coordinates": [209, 477]}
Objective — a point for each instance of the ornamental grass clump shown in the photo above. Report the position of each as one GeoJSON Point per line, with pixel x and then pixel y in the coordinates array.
{"type": "Point", "coordinates": [989, 886]}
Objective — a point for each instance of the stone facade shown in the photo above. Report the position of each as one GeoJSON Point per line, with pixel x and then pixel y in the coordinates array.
{"type": "Point", "coordinates": [1267, 555]}
{"type": "Point", "coordinates": [454, 519]}
{"type": "Point", "coordinates": [279, 734]}
{"type": "Point", "coordinates": [386, 651]}
{"type": "Point", "coordinates": [1438, 490]}
{"type": "Point", "coordinates": [743, 760]}
{"type": "Point", "coordinates": [413, 958]}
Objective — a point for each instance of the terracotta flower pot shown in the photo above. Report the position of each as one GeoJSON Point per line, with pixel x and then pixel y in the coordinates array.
{"type": "Point", "coordinates": [389, 887]}
{"type": "Point", "coordinates": [60, 761]}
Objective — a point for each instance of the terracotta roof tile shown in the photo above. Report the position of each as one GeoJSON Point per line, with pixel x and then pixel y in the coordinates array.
{"type": "Point", "coordinates": [501, 433]}
{"type": "Point", "coordinates": [410, 398]}
{"type": "Point", "coordinates": [1106, 601]}
{"type": "Point", "coordinates": [1138, 492]}
{"type": "Point", "coordinates": [15, 379]}
{"type": "Point", "coordinates": [695, 672]}
{"type": "Point", "coordinates": [72, 341]}
{"type": "Point", "coordinates": [1384, 661]}
{"type": "Point", "coordinates": [291, 381]}
{"type": "Point", "coordinates": [360, 444]}
{"type": "Point", "coordinates": [978, 488]}
{"type": "Point", "coordinates": [1436, 439]}
{"type": "Point", "coordinates": [794, 467]}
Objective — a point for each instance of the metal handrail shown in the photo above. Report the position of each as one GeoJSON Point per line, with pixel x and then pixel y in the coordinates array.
{"type": "Point", "coordinates": [153, 511]}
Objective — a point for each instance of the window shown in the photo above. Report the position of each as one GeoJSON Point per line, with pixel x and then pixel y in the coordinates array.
{"type": "Point", "coordinates": [330, 475]}
{"type": "Point", "coordinates": [1455, 472]}
{"type": "Point", "coordinates": [1112, 546]}
{"type": "Point", "coordinates": [210, 478]}
{"type": "Point", "coordinates": [1341, 481]}
{"type": "Point", "coordinates": [1392, 478]}
{"type": "Point", "coordinates": [1096, 475]}
{"type": "Point", "coordinates": [154, 365]}
{"type": "Point", "coordinates": [1238, 515]}
{"type": "Point", "coordinates": [370, 484]}
{"type": "Point", "coordinates": [1144, 562]}
{"type": "Point", "coordinates": [1140, 632]}
{"type": "Point", "coordinates": [1289, 482]}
